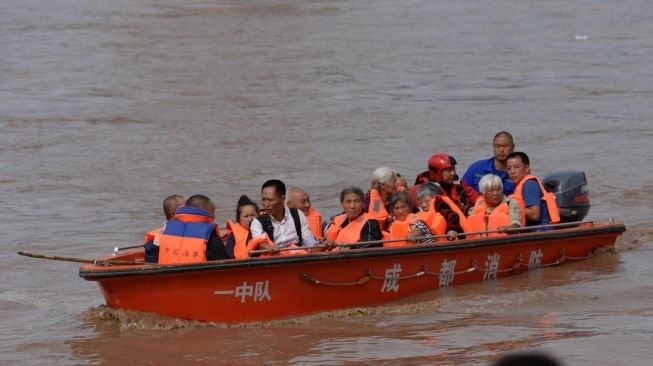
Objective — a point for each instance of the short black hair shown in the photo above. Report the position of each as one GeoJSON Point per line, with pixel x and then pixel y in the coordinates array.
{"type": "Point", "coordinates": [242, 202]}
{"type": "Point", "coordinates": [522, 156]}
{"type": "Point", "coordinates": [352, 189]}
{"type": "Point", "coordinates": [199, 201]}
{"type": "Point", "coordinates": [278, 185]}
{"type": "Point", "coordinates": [532, 359]}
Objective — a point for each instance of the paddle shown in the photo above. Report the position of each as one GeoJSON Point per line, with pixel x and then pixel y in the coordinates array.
{"type": "Point", "coordinates": [79, 260]}
{"type": "Point", "coordinates": [363, 243]}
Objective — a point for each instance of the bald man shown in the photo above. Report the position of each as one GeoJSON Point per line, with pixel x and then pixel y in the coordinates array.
{"type": "Point", "coordinates": [298, 198]}
{"type": "Point", "coordinates": [153, 238]}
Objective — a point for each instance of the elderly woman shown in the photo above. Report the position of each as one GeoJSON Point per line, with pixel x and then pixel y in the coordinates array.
{"type": "Point", "coordinates": [406, 224]}
{"type": "Point", "coordinates": [428, 197]}
{"type": "Point", "coordinates": [354, 225]}
{"type": "Point", "coordinates": [494, 212]}
{"type": "Point", "coordinates": [383, 185]}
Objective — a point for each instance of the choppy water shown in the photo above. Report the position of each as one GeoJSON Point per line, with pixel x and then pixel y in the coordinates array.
{"type": "Point", "coordinates": [106, 107]}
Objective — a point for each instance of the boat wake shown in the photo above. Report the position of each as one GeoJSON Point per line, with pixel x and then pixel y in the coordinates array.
{"type": "Point", "coordinates": [634, 236]}
{"type": "Point", "coordinates": [136, 320]}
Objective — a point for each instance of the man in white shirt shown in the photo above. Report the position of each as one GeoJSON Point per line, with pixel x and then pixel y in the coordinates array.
{"type": "Point", "coordinates": [285, 226]}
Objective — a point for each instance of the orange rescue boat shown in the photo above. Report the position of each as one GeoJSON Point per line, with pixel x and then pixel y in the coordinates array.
{"type": "Point", "coordinates": [286, 286]}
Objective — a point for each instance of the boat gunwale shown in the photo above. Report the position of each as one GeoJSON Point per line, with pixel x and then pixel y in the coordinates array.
{"type": "Point", "coordinates": [99, 272]}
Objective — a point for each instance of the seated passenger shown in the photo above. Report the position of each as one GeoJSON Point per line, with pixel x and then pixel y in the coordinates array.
{"type": "Point", "coordinates": [503, 146]}
{"type": "Point", "coordinates": [406, 224]}
{"type": "Point", "coordinates": [538, 206]}
{"type": "Point", "coordinates": [401, 184]}
{"type": "Point", "coordinates": [298, 198]}
{"type": "Point", "coordinates": [431, 203]}
{"type": "Point", "coordinates": [246, 211]}
{"type": "Point", "coordinates": [192, 234]}
{"type": "Point", "coordinates": [442, 170]}
{"type": "Point", "coordinates": [494, 211]}
{"type": "Point", "coordinates": [153, 238]}
{"type": "Point", "coordinates": [284, 227]}
{"type": "Point", "coordinates": [354, 225]}
{"type": "Point", "coordinates": [383, 184]}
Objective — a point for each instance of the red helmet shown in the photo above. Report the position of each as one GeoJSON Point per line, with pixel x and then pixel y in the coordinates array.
{"type": "Point", "coordinates": [438, 163]}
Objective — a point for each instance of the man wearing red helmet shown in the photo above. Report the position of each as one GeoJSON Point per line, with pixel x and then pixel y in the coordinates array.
{"type": "Point", "coordinates": [456, 199]}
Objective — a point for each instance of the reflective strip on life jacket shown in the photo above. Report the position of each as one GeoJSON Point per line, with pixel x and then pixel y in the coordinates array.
{"type": "Point", "coordinates": [481, 221]}
{"type": "Point", "coordinates": [314, 219]}
{"type": "Point", "coordinates": [376, 210]}
{"type": "Point", "coordinates": [548, 197]}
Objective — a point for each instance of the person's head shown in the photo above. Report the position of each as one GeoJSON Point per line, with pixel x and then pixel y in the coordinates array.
{"type": "Point", "coordinates": [491, 187]}
{"type": "Point", "coordinates": [384, 180]}
{"type": "Point", "coordinates": [351, 200]}
{"type": "Point", "coordinates": [246, 211]}
{"type": "Point", "coordinates": [201, 201]}
{"type": "Point", "coordinates": [298, 198]}
{"type": "Point", "coordinates": [401, 184]}
{"type": "Point", "coordinates": [426, 193]}
{"type": "Point", "coordinates": [273, 194]}
{"type": "Point", "coordinates": [518, 166]}
{"type": "Point", "coordinates": [171, 204]}
{"type": "Point", "coordinates": [527, 359]}
{"type": "Point", "coordinates": [442, 168]}
{"type": "Point", "coordinates": [503, 145]}
{"type": "Point", "coordinates": [401, 205]}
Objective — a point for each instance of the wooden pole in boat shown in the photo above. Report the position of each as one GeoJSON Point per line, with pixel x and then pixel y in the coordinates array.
{"type": "Point", "coordinates": [116, 249]}
{"type": "Point", "coordinates": [363, 243]}
{"type": "Point", "coordinates": [78, 260]}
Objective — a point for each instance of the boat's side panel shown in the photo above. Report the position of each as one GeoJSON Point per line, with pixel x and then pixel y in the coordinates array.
{"type": "Point", "coordinates": [282, 290]}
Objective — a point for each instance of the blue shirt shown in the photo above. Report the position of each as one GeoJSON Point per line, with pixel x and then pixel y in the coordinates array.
{"type": "Point", "coordinates": [480, 168]}
{"type": "Point", "coordinates": [532, 195]}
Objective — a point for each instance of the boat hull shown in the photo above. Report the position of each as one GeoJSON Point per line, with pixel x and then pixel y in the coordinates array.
{"type": "Point", "coordinates": [286, 286]}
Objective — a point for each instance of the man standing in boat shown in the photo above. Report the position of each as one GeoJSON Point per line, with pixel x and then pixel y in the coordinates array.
{"type": "Point", "coordinates": [503, 145]}
{"type": "Point", "coordinates": [283, 225]}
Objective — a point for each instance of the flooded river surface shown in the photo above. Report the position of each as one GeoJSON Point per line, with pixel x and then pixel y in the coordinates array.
{"type": "Point", "coordinates": [106, 107]}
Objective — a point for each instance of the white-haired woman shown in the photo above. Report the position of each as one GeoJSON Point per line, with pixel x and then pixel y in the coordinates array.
{"type": "Point", "coordinates": [383, 185]}
{"type": "Point", "coordinates": [494, 212]}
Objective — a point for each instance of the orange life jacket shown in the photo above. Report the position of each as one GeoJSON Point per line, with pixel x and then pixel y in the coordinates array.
{"type": "Point", "coordinates": [399, 229]}
{"type": "Point", "coordinates": [350, 233]}
{"type": "Point", "coordinates": [240, 239]}
{"type": "Point", "coordinates": [314, 219]}
{"type": "Point", "coordinates": [548, 197]}
{"type": "Point", "coordinates": [154, 236]}
{"type": "Point", "coordinates": [481, 221]}
{"type": "Point", "coordinates": [461, 216]}
{"type": "Point", "coordinates": [185, 236]}
{"type": "Point", "coordinates": [434, 220]}
{"type": "Point", "coordinates": [376, 210]}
